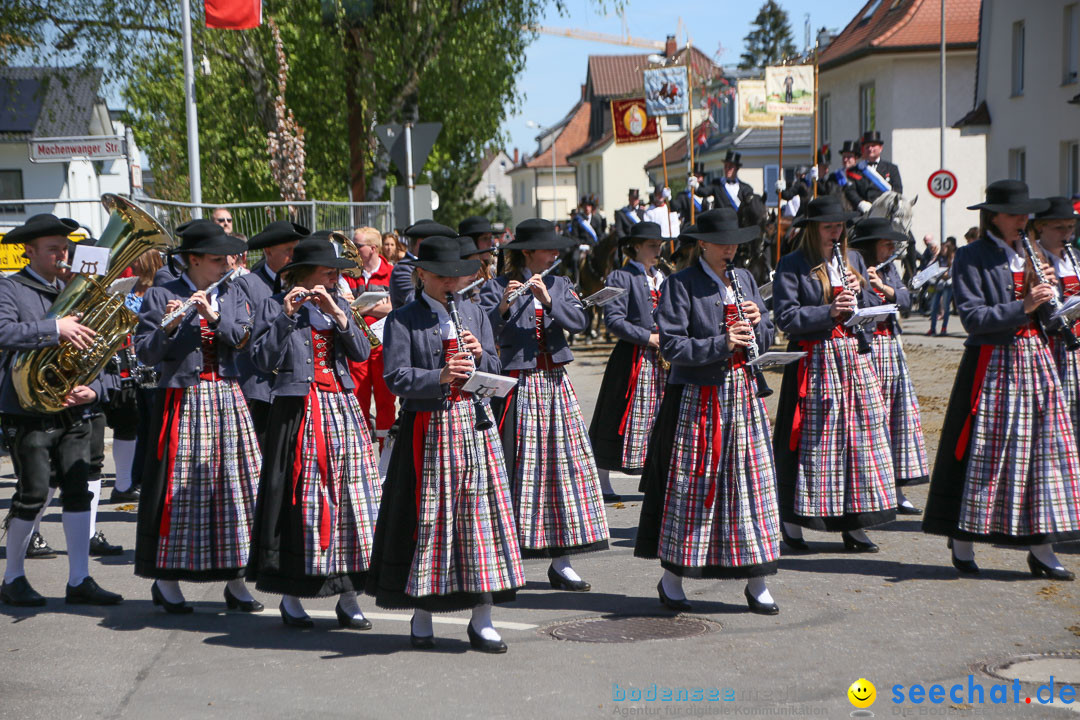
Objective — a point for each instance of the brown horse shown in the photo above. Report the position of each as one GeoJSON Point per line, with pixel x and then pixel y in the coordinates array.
{"type": "Point", "coordinates": [592, 270]}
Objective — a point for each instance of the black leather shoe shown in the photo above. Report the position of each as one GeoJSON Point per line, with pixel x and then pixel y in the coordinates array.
{"type": "Point", "coordinates": [234, 603]}
{"type": "Point", "coordinates": [304, 623]}
{"type": "Point", "coordinates": [670, 603]}
{"type": "Point", "coordinates": [346, 620]}
{"type": "Point", "coordinates": [794, 543]}
{"type": "Point", "coordinates": [89, 592]}
{"type": "Point", "coordinates": [558, 582]}
{"type": "Point", "coordinates": [38, 549]}
{"type": "Point", "coordinates": [100, 547]}
{"type": "Point", "coordinates": [119, 497]}
{"type": "Point", "coordinates": [850, 543]}
{"type": "Point", "coordinates": [180, 608]}
{"type": "Point", "coordinates": [759, 608]}
{"type": "Point", "coordinates": [612, 497]}
{"type": "Point", "coordinates": [1038, 569]}
{"type": "Point", "coordinates": [479, 642]}
{"type": "Point", "coordinates": [19, 593]}
{"type": "Point", "coordinates": [965, 567]}
{"type": "Point", "coordinates": [422, 642]}
{"type": "Point", "coordinates": [908, 510]}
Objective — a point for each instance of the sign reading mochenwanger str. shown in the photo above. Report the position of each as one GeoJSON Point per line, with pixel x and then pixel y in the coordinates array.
{"type": "Point", "coordinates": [65, 149]}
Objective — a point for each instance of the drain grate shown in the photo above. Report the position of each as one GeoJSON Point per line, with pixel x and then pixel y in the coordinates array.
{"type": "Point", "coordinates": [630, 628]}
{"type": "Point", "coordinates": [1038, 668]}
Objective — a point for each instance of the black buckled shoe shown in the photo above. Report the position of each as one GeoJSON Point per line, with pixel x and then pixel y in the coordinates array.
{"type": "Point", "coordinates": [671, 603]}
{"type": "Point", "coordinates": [346, 620]}
{"type": "Point", "coordinates": [100, 547]}
{"type": "Point", "coordinates": [303, 623]}
{"type": "Point", "coordinates": [89, 592]}
{"type": "Point", "coordinates": [558, 582]}
{"type": "Point", "coordinates": [612, 497]}
{"type": "Point", "coordinates": [850, 543]}
{"type": "Point", "coordinates": [794, 543]}
{"type": "Point", "coordinates": [1040, 569]}
{"type": "Point", "coordinates": [479, 642]}
{"type": "Point", "coordinates": [38, 549]}
{"type": "Point", "coordinates": [180, 608]}
{"type": "Point", "coordinates": [759, 608]}
{"type": "Point", "coordinates": [120, 497]}
{"type": "Point", "coordinates": [421, 642]}
{"type": "Point", "coordinates": [19, 593]}
{"type": "Point", "coordinates": [908, 510]}
{"type": "Point", "coordinates": [234, 603]}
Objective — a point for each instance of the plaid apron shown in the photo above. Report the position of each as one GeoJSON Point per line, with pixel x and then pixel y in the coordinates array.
{"type": "Point", "coordinates": [901, 409]}
{"type": "Point", "coordinates": [644, 393]}
{"type": "Point", "coordinates": [1068, 362]}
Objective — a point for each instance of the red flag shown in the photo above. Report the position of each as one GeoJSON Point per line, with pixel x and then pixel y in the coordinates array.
{"type": "Point", "coordinates": [630, 121]}
{"type": "Point", "coordinates": [233, 14]}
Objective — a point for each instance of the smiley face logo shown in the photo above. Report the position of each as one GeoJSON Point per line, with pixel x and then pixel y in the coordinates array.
{"type": "Point", "coordinates": [862, 693]}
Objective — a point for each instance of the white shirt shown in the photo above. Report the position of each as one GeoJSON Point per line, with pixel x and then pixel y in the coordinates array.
{"type": "Point", "coordinates": [662, 216]}
{"type": "Point", "coordinates": [446, 327]}
{"type": "Point", "coordinates": [731, 187]}
{"type": "Point", "coordinates": [271, 273]}
{"type": "Point", "coordinates": [836, 276]}
{"type": "Point", "coordinates": [537, 305]}
{"type": "Point", "coordinates": [654, 277]}
{"type": "Point", "coordinates": [726, 293]}
{"type": "Point", "coordinates": [1063, 266]}
{"type": "Point", "coordinates": [212, 296]}
{"type": "Point", "coordinates": [1016, 260]}
{"type": "Point", "coordinates": [366, 274]}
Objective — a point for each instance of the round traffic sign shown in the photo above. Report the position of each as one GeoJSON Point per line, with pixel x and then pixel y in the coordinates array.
{"type": "Point", "coordinates": [942, 184]}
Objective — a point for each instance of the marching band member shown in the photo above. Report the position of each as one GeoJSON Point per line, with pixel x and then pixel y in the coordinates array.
{"type": "Point", "coordinates": [876, 240]}
{"type": "Point", "coordinates": [831, 440]}
{"type": "Point", "coordinates": [471, 251]}
{"type": "Point", "coordinates": [1007, 467]}
{"type": "Point", "coordinates": [710, 506]}
{"type": "Point", "coordinates": [634, 377]}
{"type": "Point", "coordinates": [319, 492]}
{"type": "Point", "coordinates": [44, 445]}
{"type": "Point", "coordinates": [277, 241]}
{"type": "Point", "coordinates": [445, 538]}
{"type": "Point", "coordinates": [198, 496]}
{"type": "Point", "coordinates": [557, 496]}
{"type": "Point", "coordinates": [402, 284]}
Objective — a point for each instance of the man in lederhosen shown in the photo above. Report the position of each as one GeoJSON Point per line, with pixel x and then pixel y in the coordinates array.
{"type": "Point", "coordinates": [42, 444]}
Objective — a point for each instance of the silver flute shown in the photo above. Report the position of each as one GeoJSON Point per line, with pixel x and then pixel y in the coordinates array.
{"type": "Point", "coordinates": [525, 286]}
{"type": "Point", "coordinates": [189, 303]}
{"type": "Point", "coordinates": [892, 258]}
{"type": "Point", "coordinates": [463, 292]}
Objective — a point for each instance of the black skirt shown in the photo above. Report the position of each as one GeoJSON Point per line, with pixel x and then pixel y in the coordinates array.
{"type": "Point", "coordinates": [395, 538]}
{"type": "Point", "coordinates": [611, 402]}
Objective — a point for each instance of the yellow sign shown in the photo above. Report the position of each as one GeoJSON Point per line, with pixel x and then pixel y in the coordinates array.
{"type": "Point", "coordinates": [752, 105]}
{"type": "Point", "coordinates": [11, 256]}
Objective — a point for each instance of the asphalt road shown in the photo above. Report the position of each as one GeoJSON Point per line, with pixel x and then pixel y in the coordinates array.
{"type": "Point", "coordinates": [898, 618]}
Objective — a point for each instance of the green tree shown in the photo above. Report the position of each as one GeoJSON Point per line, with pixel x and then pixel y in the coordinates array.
{"type": "Point", "coordinates": [770, 41]}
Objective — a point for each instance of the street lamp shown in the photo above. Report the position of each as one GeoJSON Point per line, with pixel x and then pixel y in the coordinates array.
{"type": "Point", "coordinates": [543, 131]}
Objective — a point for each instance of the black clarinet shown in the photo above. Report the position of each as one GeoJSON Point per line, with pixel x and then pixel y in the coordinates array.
{"type": "Point", "coordinates": [763, 389]}
{"type": "Point", "coordinates": [483, 420]}
{"type": "Point", "coordinates": [1062, 323]}
{"type": "Point", "coordinates": [860, 335]}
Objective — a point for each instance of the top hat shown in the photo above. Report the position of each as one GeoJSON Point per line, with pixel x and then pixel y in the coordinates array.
{"type": "Point", "coordinates": [1061, 208]}
{"type": "Point", "coordinates": [206, 237]}
{"type": "Point", "coordinates": [634, 194]}
{"type": "Point", "coordinates": [699, 168]}
{"type": "Point", "coordinates": [1010, 197]}
{"type": "Point", "coordinates": [721, 227]}
{"type": "Point", "coordinates": [872, 136]}
{"type": "Point", "coordinates": [277, 233]}
{"type": "Point", "coordinates": [475, 225]}
{"type": "Point", "coordinates": [427, 228]}
{"type": "Point", "coordinates": [875, 228]}
{"type": "Point", "coordinates": [43, 225]}
{"type": "Point", "coordinates": [850, 147]}
{"type": "Point", "coordinates": [733, 157]}
{"type": "Point", "coordinates": [824, 155]}
{"type": "Point", "coordinates": [825, 209]}
{"type": "Point", "coordinates": [538, 234]}
{"type": "Point", "coordinates": [316, 251]}
{"type": "Point", "coordinates": [442, 255]}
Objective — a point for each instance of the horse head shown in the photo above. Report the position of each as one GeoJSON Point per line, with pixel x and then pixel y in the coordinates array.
{"type": "Point", "coordinates": [895, 207]}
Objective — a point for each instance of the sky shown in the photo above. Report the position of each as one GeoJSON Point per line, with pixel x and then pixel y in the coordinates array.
{"type": "Point", "coordinates": [555, 66]}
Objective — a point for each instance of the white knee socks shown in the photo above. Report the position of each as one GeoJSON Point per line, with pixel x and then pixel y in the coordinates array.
{"type": "Point", "coordinates": [859, 535]}
{"type": "Point", "coordinates": [605, 482]}
{"type": "Point", "coordinates": [963, 550]}
{"type": "Point", "coordinates": [793, 531]}
{"type": "Point", "coordinates": [672, 585]}
{"type": "Point", "coordinates": [421, 623]}
{"type": "Point", "coordinates": [481, 620]}
{"type": "Point", "coordinates": [94, 486]}
{"type": "Point", "coordinates": [41, 513]}
{"type": "Point", "coordinates": [562, 566]}
{"type": "Point", "coordinates": [170, 590]}
{"type": "Point", "coordinates": [348, 603]}
{"type": "Point", "coordinates": [756, 587]}
{"type": "Point", "coordinates": [1045, 555]}
{"type": "Point", "coordinates": [123, 452]}
{"type": "Point", "coordinates": [18, 539]}
{"type": "Point", "coordinates": [77, 535]}
{"type": "Point", "coordinates": [293, 606]}
{"type": "Point", "coordinates": [239, 590]}
{"type": "Point", "coordinates": [901, 499]}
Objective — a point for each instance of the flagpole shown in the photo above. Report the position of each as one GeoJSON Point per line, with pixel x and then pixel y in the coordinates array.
{"type": "Point", "coordinates": [814, 150]}
{"type": "Point", "coordinates": [690, 129]}
{"type": "Point", "coordinates": [194, 168]}
{"type": "Point", "coordinates": [663, 161]}
{"type": "Point", "coordinates": [780, 176]}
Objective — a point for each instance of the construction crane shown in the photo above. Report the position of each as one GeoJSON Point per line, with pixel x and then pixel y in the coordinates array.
{"type": "Point", "coordinates": [597, 37]}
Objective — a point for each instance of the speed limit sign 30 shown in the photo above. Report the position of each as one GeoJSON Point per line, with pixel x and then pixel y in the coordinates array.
{"type": "Point", "coordinates": [942, 184]}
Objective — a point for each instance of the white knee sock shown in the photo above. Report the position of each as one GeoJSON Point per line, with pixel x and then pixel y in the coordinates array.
{"type": "Point", "coordinates": [94, 486]}
{"type": "Point", "coordinates": [348, 602]}
{"type": "Point", "coordinates": [41, 513]}
{"type": "Point", "coordinates": [421, 623]}
{"type": "Point", "coordinates": [756, 587]}
{"type": "Point", "coordinates": [963, 550]}
{"type": "Point", "coordinates": [481, 621]}
{"type": "Point", "coordinates": [605, 482]}
{"type": "Point", "coordinates": [562, 566]}
{"type": "Point", "coordinates": [239, 590]}
{"type": "Point", "coordinates": [859, 535]}
{"type": "Point", "coordinates": [293, 606]}
{"type": "Point", "coordinates": [170, 590]}
{"type": "Point", "coordinates": [1045, 555]}
{"type": "Point", "coordinates": [18, 539]}
{"type": "Point", "coordinates": [793, 531]}
{"type": "Point", "coordinates": [672, 585]}
{"type": "Point", "coordinates": [123, 452]}
{"type": "Point", "coordinates": [77, 535]}
{"type": "Point", "coordinates": [901, 499]}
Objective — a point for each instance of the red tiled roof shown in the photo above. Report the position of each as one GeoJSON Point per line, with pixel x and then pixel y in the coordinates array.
{"type": "Point", "coordinates": [571, 138]}
{"type": "Point", "coordinates": [620, 75]}
{"type": "Point", "coordinates": [904, 25]}
{"type": "Point", "coordinates": [676, 153]}
{"type": "Point", "coordinates": [603, 140]}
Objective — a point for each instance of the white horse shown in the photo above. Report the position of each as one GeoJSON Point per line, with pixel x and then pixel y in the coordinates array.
{"type": "Point", "coordinates": [896, 207]}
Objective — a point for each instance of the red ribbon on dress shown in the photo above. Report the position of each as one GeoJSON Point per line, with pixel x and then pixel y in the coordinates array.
{"type": "Point", "coordinates": [170, 429]}
{"type": "Point", "coordinates": [976, 390]}
{"type": "Point", "coordinates": [420, 428]}
{"type": "Point", "coordinates": [710, 403]}
{"type": "Point", "coordinates": [510, 397]}
{"type": "Point", "coordinates": [322, 459]}
{"type": "Point", "coordinates": [635, 371]}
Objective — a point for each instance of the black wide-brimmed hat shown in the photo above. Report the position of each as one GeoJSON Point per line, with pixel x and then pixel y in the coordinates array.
{"type": "Point", "coordinates": [685, 241]}
{"type": "Point", "coordinates": [317, 252]}
{"type": "Point", "coordinates": [733, 158]}
{"type": "Point", "coordinates": [721, 227]}
{"type": "Point", "coordinates": [1061, 208]}
{"type": "Point", "coordinates": [335, 235]}
{"type": "Point", "coordinates": [277, 233]}
{"type": "Point", "coordinates": [428, 228]}
{"type": "Point", "coordinates": [643, 231]}
{"type": "Point", "coordinates": [872, 136]}
{"type": "Point", "coordinates": [469, 247]}
{"type": "Point", "coordinates": [43, 225]}
{"type": "Point", "coordinates": [850, 147]}
{"type": "Point", "coordinates": [825, 209]}
{"type": "Point", "coordinates": [206, 237]}
{"type": "Point", "coordinates": [441, 255]}
{"type": "Point", "coordinates": [473, 226]}
{"type": "Point", "coordinates": [1010, 197]}
{"type": "Point", "coordinates": [874, 229]}
{"type": "Point", "coordinates": [538, 234]}
{"type": "Point", "coordinates": [824, 155]}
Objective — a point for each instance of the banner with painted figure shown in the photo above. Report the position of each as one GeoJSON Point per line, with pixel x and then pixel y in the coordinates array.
{"type": "Point", "coordinates": [753, 110]}
{"type": "Point", "coordinates": [667, 91]}
{"type": "Point", "coordinates": [631, 122]}
{"type": "Point", "coordinates": [789, 89]}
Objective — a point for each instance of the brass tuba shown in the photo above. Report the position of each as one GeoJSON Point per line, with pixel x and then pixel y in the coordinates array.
{"type": "Point", "coordinates": [44, 377]}
{"type": "Point", "coordinates": [349, 251]}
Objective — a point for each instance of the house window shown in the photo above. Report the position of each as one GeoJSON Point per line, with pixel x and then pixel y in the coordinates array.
{"type": "Point", "coordinates": [824, 116]}
{"type": "Point", "coordinates": [723, 114]}
{"type": "Point", "coordinates": [1071, 156]}
{"type": "Point", "coordinates": [1070, 46]}
{"type": "Point", "coordinates": [867, 108]}
{"type": "Point", "coordinates": [772, 173]}
{"type": "Point", "coordinates": [673, 122]}
{"type": "Point", "coordinates": [1018, 164]}
{"type": "Point", "coordinates": [491, 190]}
{"type": "Point", "coordinates": [11, 188]}
{"type": "Point", "coordinates": [1018, 58]}
{"type": "Point", "coordinates": [870, 10]}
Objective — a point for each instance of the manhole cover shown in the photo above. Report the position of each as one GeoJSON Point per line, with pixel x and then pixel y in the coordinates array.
{"type": "Point", "coordinates": [630, 628]}
{"type": "Point", "coordinates": [1064, 667]}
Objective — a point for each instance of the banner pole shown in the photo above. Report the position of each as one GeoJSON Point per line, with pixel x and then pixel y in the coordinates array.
{"type": "Point", "coordinates": [817, 103]}
{"type": "Point", "coordinates": [663, 162]}
{"type": "Point", "coordinates": [780, 174]}
{"type": "Point", "coordinates": [690, 139]}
